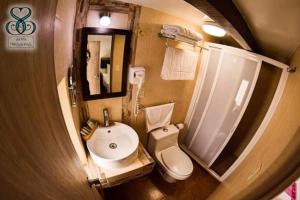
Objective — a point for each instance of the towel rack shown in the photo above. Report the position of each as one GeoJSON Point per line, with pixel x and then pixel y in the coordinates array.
{"type": "Point", "coordinates": [195, 44]}
{"type": "Point", "coordinates": [144, 107]}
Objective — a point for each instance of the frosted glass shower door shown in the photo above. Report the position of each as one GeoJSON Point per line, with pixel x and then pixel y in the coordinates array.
{"type": "Point", "coordinates": [206, 85]}
{"type": "Point", "coordinates": [222, 102]}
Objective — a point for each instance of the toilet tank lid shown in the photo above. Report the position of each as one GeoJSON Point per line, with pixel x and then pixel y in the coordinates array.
{"type": "Point", "coordinates": [164, 132]}
{"type": "Point", "coordinates": [177, 161]}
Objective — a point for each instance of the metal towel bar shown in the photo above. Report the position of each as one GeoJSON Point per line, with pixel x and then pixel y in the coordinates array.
{"type": "Point", "coordinates": [195, 44]}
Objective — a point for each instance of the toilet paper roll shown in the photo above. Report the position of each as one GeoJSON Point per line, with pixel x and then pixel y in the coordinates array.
{"type": "Point", "coordinates": [179, 126]}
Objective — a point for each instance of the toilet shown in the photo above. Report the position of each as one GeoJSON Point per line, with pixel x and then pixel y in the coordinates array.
{"type": "Point", "coordinates": [173, 163]}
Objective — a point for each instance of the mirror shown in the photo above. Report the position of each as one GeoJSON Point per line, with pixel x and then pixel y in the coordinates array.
{"type": "Point", "coordinates": [104, 58]}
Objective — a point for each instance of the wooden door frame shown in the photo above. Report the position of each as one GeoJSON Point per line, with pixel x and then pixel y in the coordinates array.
{"type": "Point", "coordinates": [38, 160]}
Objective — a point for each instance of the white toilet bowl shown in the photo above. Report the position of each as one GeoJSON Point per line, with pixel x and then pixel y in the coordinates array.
{"type": "Point", "coordinates": [173, 163]}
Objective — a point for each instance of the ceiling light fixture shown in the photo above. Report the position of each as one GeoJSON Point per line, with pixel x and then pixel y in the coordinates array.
{"type": "Point", "coordinates": [105, 19]}
{"type": "Point", "coordinates": [213, 29]}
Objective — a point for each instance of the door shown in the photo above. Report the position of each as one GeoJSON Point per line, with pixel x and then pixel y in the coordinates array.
{"type": "Point", "coordinates": [93, 64]}
{"type": "Point", "coordinates": [230, 79]}
{"type": "Point", "coordinates": [37, 159]}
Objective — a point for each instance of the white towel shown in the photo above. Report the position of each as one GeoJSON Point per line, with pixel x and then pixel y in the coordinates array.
{"type": "Point", "coordinates": [158, 116]}
{"type": "Point", "coordinates": [176, 30]}
{"type": "Point", "coordinates": [179, 64]}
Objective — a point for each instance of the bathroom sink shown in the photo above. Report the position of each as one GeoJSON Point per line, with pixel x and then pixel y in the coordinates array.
{"type": "Point", "coordinates": [114, 146]}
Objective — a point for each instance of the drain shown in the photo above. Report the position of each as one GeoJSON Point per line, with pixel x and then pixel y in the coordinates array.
{"type": "Point", "coordinates": [113, 145]}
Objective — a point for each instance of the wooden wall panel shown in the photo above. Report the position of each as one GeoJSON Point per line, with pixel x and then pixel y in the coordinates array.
{"type": "Point", "coordinates": [38, 160]}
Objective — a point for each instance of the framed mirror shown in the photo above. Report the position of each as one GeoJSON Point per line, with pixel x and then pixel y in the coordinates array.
{"type": "Point", "coordinates": [104, 62]}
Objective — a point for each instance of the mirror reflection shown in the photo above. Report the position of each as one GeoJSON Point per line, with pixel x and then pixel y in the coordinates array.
{"type": "Point", "coordinates": [104, 67]}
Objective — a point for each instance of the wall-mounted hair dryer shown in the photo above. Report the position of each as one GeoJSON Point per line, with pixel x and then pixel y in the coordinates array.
{"type": "Point", "coordinates": [137, 77]}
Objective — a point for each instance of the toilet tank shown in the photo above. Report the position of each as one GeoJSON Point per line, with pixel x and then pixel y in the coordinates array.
{"type": "Point", "coordinates": [163, 138]}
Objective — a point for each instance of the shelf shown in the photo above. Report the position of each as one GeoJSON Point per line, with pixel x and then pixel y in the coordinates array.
{"type": "Point", "coordinates": [112, 177]}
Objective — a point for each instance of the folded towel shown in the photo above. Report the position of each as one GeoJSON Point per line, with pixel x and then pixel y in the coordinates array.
{"type": "Point", "coordinates": [176, 30]}
{"type": "Point", "coordinates": [179, 64]}
{"type": "Point", "coordinates": [158, 116]}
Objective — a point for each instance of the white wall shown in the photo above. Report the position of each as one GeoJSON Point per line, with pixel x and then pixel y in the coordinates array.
{"type": "Point", "coordinates": [67, 113]}
{"type": "Point", "coordinates": [105, 44]}
{"type": "Point", "coordinates": [118, 20]}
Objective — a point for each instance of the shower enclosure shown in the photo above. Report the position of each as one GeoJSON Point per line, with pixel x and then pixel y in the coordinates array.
{"type": "Point", "coordinates": [234, 99]}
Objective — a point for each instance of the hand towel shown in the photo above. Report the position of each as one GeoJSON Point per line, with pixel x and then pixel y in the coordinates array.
{"type": "Point", "coordinates": [158, 116]}
{"type": "Point", "coordinates": [179, 64]}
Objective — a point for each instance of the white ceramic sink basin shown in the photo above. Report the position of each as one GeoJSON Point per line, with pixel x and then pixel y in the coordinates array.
{"type": "Point", "coordinates": [114, 146]}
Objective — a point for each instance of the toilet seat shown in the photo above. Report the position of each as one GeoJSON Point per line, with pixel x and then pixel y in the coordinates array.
{"type": "Point", "coordinates": [177, 161]}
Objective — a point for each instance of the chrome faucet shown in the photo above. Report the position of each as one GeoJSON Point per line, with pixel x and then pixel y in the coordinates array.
{"type": "Point", "coordinates": [106, 117]}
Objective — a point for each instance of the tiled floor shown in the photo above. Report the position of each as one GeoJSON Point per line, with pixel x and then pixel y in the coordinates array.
{"type": "Point", "coordinates": [153, 187]}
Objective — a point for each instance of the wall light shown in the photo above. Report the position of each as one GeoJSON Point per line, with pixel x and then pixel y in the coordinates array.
{"type": "Point", "coordinates": [213, 29]}
{"type": "Point", "coordinates": [105, 19]}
